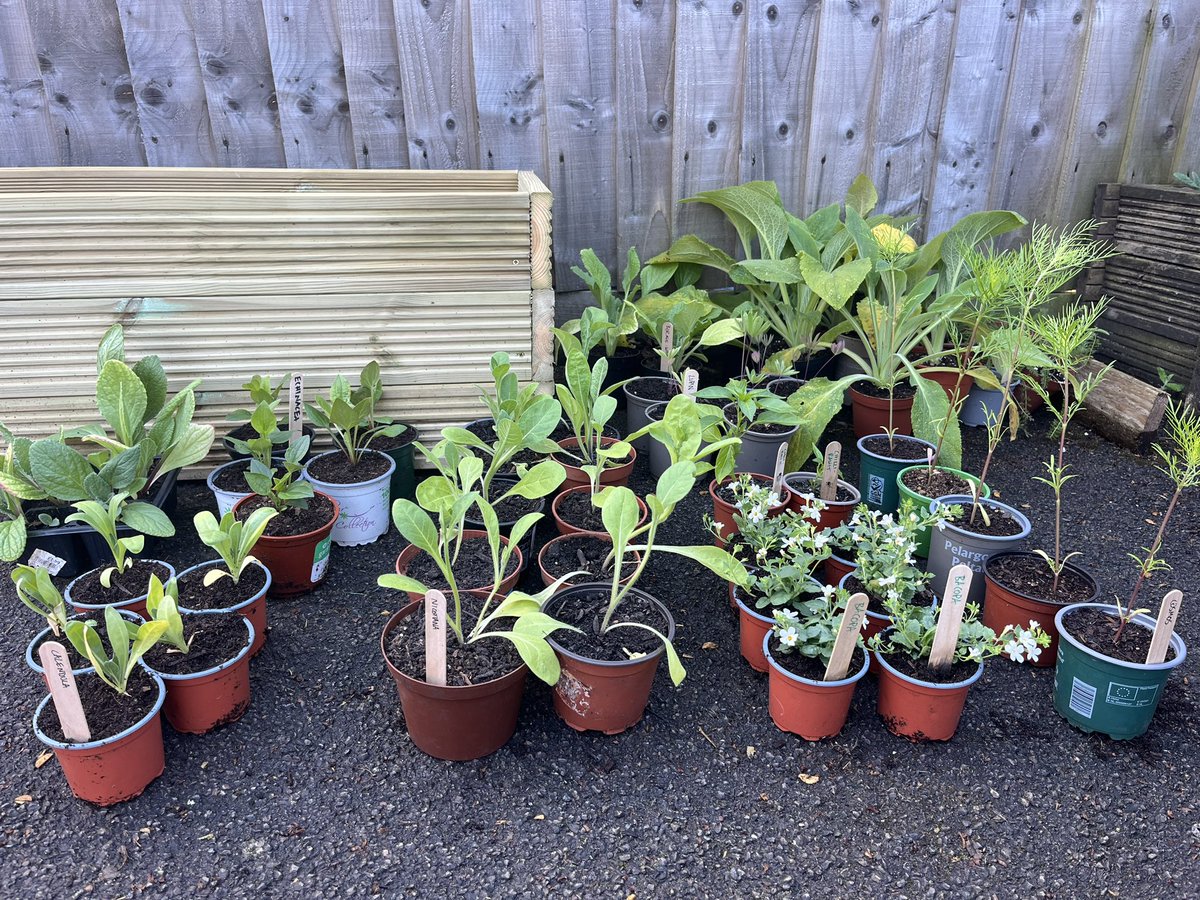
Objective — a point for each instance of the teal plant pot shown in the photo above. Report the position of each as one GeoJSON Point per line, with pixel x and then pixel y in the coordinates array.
{"type": "Point", "coordinates": [923, 503]}
{"type": "Point", "coordinates": [877, 473]}
{"type": "Point", "coordinates": [404, 476]}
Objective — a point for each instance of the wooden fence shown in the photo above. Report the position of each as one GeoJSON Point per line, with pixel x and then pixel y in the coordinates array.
{"type": "Point", "coordinates": [624, 107]}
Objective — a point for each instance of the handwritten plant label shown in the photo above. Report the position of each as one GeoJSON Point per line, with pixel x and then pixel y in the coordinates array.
{"type": "Point", "coordinates": [847, 638]}
{"type": "Point", "coordinates": [829, 472]}
{"type": "Point", "coordinates": [435, 638]}
{"type": "Point", "coordinates": [295, 408]}
{"type": "Point", "coordinates": [691, 382]}
{"type": "Point", "coordinates": [950, 616]}
{"type": "Point", "coordinates": [668, 344]}
{"type": "Point", "coordinates": [780, 465]}
{"type": "Point", "coordinates": [64, 692]}
{"type": "Point", "coordinates": [1167, 614]}
{"type": "Point", "coordinates": [40, 559]}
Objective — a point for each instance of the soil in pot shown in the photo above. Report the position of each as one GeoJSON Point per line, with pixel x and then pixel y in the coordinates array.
{"type": "Point", "coordinates": [902, 391]}
{"type": "Point", "coordinates": [881, 445]}
{"type": "Point", "coordinates": [108, 713]}
{"type": "Point", "coordinates": [582, 552]}
{"type": "Point", "coordinates": [232, 478]}
{"type": "Point", "coordinates": [725, 492]}
{"type": "Point", "coordinates": [465, 665]}
{"type": "Point", "coordinates": [808, 486]}
{"type": "Point", "coordinates": [473, 569]}
{"type": "Point", "coordinates": [512, 508]}
{"type": "Point", "coordinates": [215, 640]}
{"type": "Point", "coordinates": [222, 593]}
{"type": "Point", "coordinates": [920, 670]}
{"type": "Point", "coordinates": [784, 387]}
{"type": "Point", "coordinates": [811, 667]}
{"type": "Point", "coordinates": [577, 509]}
{"type": "Point", "coordinates": [1095, 628]}
{"type": "Point", "coordinates": [923, 597]}
{"type": "Point", "coordinates": [133, 582]}
{"type": "Point", "coordinates": [999, 524]}
{"type": "Point", "coordinates": [1031, 576]}
{"type": "Point", "coordinates": [335, 468]}
{"type": "Point", "coordinates": [935, 482]}
{"type": "Point", "coordinates": [655, 390]}
{"type": "Point", "coordinates": [383, 443]}
{"type": "Point", "coordinates": [585, 610]}
{"type": "Point", "coordinates": [293, 520]}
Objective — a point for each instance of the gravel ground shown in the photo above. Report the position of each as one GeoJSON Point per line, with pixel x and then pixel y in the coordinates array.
{"type": "Point", "coordinates": [318, 791]}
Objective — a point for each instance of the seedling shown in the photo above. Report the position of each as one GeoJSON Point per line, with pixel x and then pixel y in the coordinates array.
{"type": "Point", "coordinates": [232, 539]}
{"type": "Point", "coordinates": [36, 590]}
{"type": "Point", "coordinates": [127, 648]}
{"type": "Point", "coordinates": [162, 603]}
{"type": "Point", "coordinates": [104, 518]}
{"type": "Point", "coordinates": [349, 415]}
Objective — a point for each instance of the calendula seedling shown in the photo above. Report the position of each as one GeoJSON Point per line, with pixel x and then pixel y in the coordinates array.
{"type": "Point", "coordinates": [162, 603]}
{"type": "Point", "coordinates": [233, 540]}
{"type": "Point", "coordinates": [128, 644]}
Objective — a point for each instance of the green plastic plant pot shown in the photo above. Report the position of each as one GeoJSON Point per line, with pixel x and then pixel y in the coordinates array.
{"type": "Point", "coordinates": [923, 502]}
{"type": "Point", "coordinates": [877, 474]}
{"type": "Point", "coordinates": [404, 477]}
{"type": "Point", "coordinates": [1097, 693]}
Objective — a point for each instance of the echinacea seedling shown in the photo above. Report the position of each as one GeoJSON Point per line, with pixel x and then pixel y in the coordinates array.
{"type": "Point", "coordinates": [104, 518]}
{"type": "Point", "coordinates": [128, 644]}
{"type": "Point", "coordinates": [278, 485]}
{"type": "Point", "coordinates": [233, 540]}
{"type": "Point", "coordinates": [162, 604]}
{"type": "Point", "coordinates": [37, 591]}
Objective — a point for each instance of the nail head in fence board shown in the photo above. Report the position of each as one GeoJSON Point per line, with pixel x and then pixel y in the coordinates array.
{"type": "Point", "coordinates": [829, 471]}
{"type": "Point", "coordinates": [668, 344]}
{"type": "Point", "coordinates": [847, 637]}
{"type": "Point", "coordinates": [295, 407]}
{"type": "Point", "coordinates": [1164, 628]}
{"type": "Point", "coordinates": [57, 664]}
{"type": "Point", "coordinates": [950, 615]}
{"type": "Point", "coordinates": [780, 464]}
{"type": "Point", "coordinates": [691, 382]}
{"type": "Point", "coordinates": [435, 638]}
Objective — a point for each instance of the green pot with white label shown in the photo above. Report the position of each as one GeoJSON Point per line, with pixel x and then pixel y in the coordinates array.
{"type": "Point", "coordinates": [297, 563]}
{"type": "Point", "coordinates": [1097, 693]}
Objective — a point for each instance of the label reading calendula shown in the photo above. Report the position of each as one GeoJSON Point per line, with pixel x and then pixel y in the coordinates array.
{"type": "Point", "coordinates": [321, 559]}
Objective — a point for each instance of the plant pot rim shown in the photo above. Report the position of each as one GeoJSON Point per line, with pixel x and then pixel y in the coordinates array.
{"type": "Point", "coordinates": [953, 471]}
{"type": "Point", "coordinates": [809, 682]}
{"type": "Point", "coordinates": [1028, 554]}
{"type": "Point", "coordinates": [897, 437]}
{"type": "Point", "coordinates": [472, 534]}
{"type": "Point", "coordinates": [959, 499]}
{"type": "Point", "coordinates": [632, 381]}
{"type": "Point", "coordinates": [757, 476]}
{"type": "Point", "coordinates": [815, 476]}
{"type": "Point", "coordinates": [35, 664]}
{"type": "Point", "coordinates": [1177, 643]}
{"type": "Point", "coordinates": [932, 685]}
{"type": "Point", "coordinates": [575, 535]}
{"type": "Point", "coordinates": [579, 489]}
{"type": "Point", "coordinates": [232, 661]}
{"type": "Point", "coordinates": [337, 510]}
{"type": "Point", "coordinates": [482, 688]}
{"type": "Point", "coordinates": [124, 604]}
{"type": "Point", "coordinates": [103, 742]}
{"type": "Point", "coordinates": [781, 436]}
{"type": "Point", "coordinates": [238, 607]}
{"type": "Point", "coordinates": [881, 401]}
{"type": "Point", "coordinates": [612, 663]}
{"type": "Point", "coordinates": [846, 562]}
{"type": "Point", "coordinates": [335, 486]}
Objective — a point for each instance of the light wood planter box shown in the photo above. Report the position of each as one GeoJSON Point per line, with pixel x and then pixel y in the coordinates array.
{"type": "Point", "coordinates": [226, 273]}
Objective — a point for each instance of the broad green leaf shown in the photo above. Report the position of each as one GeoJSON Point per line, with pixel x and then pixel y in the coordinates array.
{"type": "Point", "coordinates": [540, 480]}
{"type": "Point", "coordinates": [401, 583]}
{"type": "Point", "coordinates": [464, 438]}
{"type": "Point", "coordinates": [817, 401]}
{"type": "Point", "coordinates": [415, 525]}
{"type": "Point", "coordinates": [838, 286]}
{"type": "Point", "coordinates": [521, 527]}
{"type": "Point", "coordinates": [691, 249]}
{"type": "Point", "coordinates": [755, 211]}
{"type": "Point", "coordinates": [122, 470]}
{"type": "Point", "coordinates": [59, 470]}
{"type": "Point", "coordinates": [148, 519]}
{"type": "Point", "coordinates": [930, 414]}
{"type": "Point", "coordinates": [714, 559]}
{"type": "Point", "coordinates": [862, 196]}
{"type": "Point", "coordinates": [20, 487]}
{"type": "Point", "coordinates": [436, 493]}
{"type": "Point", "coordinates": [149, 371]}
{"type": "Point", "coordinates": [112, 346]}
{"type": "Point", "coordinates": [766, 271]}
{"type": "Point", "coordinates": [534, 651]}
{"type": "Point", "coordinates": [675, 483]}
{"type": "Point", "coordinates": [540, 418]}
{"type": "Point", "coordinates": [721, 332]}
{"type": "Point", "coordinates": [122, 400]}
{"type": "Point", "coordinates": [12, 539]}
{"type": "Point", "coordinates": [190, 447]}
{"type": "Point", "coordinates": [619, 514]}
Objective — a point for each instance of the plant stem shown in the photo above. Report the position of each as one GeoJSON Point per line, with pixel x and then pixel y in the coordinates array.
{"type": "Point", "coordinates": [619, 591]}
{"type": "Point", "coordinates": [1154, 548]}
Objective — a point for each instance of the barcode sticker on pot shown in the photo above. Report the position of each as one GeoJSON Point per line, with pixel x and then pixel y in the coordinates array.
{"type": "Point", "coordinates": [40, 559]}
{"type": "Point", "coordinates": [321, 560]}
{"type": "Point", "coordinates": [1083, 698]}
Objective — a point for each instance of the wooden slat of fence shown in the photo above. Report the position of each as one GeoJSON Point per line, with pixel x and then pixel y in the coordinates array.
{"type": "Point", "coordinates": [509, 85]}
{"type": "Point", "coordinates": [26, 138]}
{"type": "Point", "coordinates": [372, 63]}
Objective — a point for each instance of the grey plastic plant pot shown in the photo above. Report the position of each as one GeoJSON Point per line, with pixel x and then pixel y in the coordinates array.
{"type": "Point", "coordinates": [759, 450]}
{"type": "Point", "coordinates": [955, 544]}
{"type": "Point", "coordinates": [1097, 693]}
{"type": "Point", "coordinates": [635, 408]}
{"type": "Point", "coordinates": [659, 455]}
{"type": "Point", "coordinates": [982, 402]}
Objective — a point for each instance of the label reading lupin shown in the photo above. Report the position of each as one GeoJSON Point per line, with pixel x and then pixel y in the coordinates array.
{"type": "Point", "coordinates": [41, 559]}
{"type": "Point", "coordinates": [321, 560]}
{"type": "Point", "coordinates": [691, 382]}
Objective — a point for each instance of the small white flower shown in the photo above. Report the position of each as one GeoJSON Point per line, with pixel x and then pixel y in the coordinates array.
{"type": "Point", "coordinates": [976, 653]}
{"type": "Point", "coordinates": [912, 517]}
{"type": "Point", "coordinates": [788, 637]}
{"type": "Point", "coordinates": [827, 590]}
{"type": "Point", "coordinates": [1034, 625]}
{"type": "Point", "coordinates": [890, 579]}
{"type": "Point", "coordinates": [718, 525]}
{"type": "Point", "coordinates": [1015, 651]}
{"type": "Point", "coordinates": [1034, 652]}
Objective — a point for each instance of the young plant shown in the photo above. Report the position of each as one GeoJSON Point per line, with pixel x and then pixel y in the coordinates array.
{"type": "Point", "coordinates": [810, 627]}
{"type": "Point", "coordinates": [261, 391]}
{"type": "Point", "coordinates": [751, 406]}
{"type": "Point", "coordinates": [695, 432]}
{"type": "Point", "coordinates": [232, 539]}
{"type": "Point", "coordinates": [17, 485]}
{"type": "Point", "coordinates": [128, 645]}
{"type": "Point", "coordinates": [785, 579]}
{"type": "Point", "coordinates": [696, 322]}
{"type": "Point", "coordinates": [279, 484]}
{"type": "Point", "coordinates": [764, 536]}
{"type": "Point", "coordinates": [885, 547]}
{"type": "Point", "coordinates": [37, 591]}
{"type": "Point", "coordinates": [616, 313]}
{"type": "Point", "coordinates": [913, 629]}
{"type": "Point", "coordinates": [104, 519]}
{"type": "Point", "coordinates": [162, 603]}
{"type": "Point", "coordinates": [349, 415]}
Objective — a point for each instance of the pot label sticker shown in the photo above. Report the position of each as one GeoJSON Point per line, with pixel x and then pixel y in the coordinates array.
{"type": "Point", "coordinates": [1131, 695]}
{"type": "Point", "coordinates": [875, 486]}
{"type": "Point", "coordinates": [1083, 698]}
{"type": "Point", "coordinates": [321, 560]}
{"type": "Point", "coordinates": [40, 559]}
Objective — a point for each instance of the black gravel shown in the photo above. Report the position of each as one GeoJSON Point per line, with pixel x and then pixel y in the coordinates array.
{"type": "Point", "coordinates": [318, 791]}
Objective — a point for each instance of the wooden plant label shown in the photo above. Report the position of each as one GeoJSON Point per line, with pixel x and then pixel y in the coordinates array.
{"type": "Point", "coordinates": [1167, 614]}
{"type": "Point", "coordinates": [780, 465]}
{"type": "Point", "coordinates": [435, 638]}
{"type": "Point", "coordinates": [847, 637]}
{"type": "Point", "coordinates": [950, 615]}
{"type": "Point", "coordinates": [668, 344]}
{"type": "Point", "coordinates": [64, 692]}
{"type": "Point", "coordinates": [691, 382]}
{"type": "Point", "coordinates": [41, 559]}
{"type": "Point", "coordinates": [829, 473]}
{"type": "Point", "coordinates": [295, 408]}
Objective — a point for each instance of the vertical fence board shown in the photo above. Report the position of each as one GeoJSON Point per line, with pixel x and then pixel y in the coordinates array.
{"type": "Point", "coordinates": [984, 38]}
{"type": "Point", "coordinates": [25, 135]}
{"type": "Point", "coordinates": [88, 87]}
{"type": "Point", "coordinates": [172, 108]}
{"type": "Point", "coordinates": [509, 85]}
{"type": "Point", "coordinates": [645, 105]}
{"type": "Point", "coordinates": [580, 115]}
{"type": "Point", "coordinates": [844, 94]}
{"type": "Point", "coordinates": [372, 61]}
{"type": "Point", "coordinates": [780, 42]}
{"type": "Point", "coordinates": [235, 64]}
{"type": "Point", "coordinates": [310, 84]}
{"type": "Point", "coordinates": [708, 112]}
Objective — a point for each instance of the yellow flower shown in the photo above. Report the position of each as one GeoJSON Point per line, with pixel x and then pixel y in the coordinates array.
{"type": "Point", "coordinates": [892, 241]}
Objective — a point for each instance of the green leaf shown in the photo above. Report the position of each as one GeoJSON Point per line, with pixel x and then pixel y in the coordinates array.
{"type": "Point", "coordinates": [716, 560]}
{"type": "Point", "coordinates": [122, 400]}
{"type": "Point", "coordinates": [415, 525]}
{"type": "Point", "coordinates": [817, 401]}
{"type": "Point", "coordinates": [191, 447]}
{"type": "Point", "coordinates": [401, 583]}
{"type": "Point", "coordinates": [148, 519]}
{"type": "Point", "coordinates": [930, 413]}
{"type": "Point", "coordinates": [12, 539]}
{"type": "Point", "coordinates": [59, 470]}
{"type": "Point", "coordinates": [838, 286]}
{"type": "Point", "coordinates": [766, 271]}
{"type": "Point", "coordinates": [545, 477]}
{"type": "Point", "coordinates": [862, 196]}
{"type": "Point", "coordinates": [150, 373]}
{"type": "Point", "coordinates": [112, 346]}
{"type": "Point", "coordinates": [755, 210]}
{"type": "Point", "coordinates": [534, 651]}
{"type": "Point", "coordinates": [619, 513]}
{"type": "Point", "coordinates": [691, 249]}
{"type": "Point", "coordinates": [675, 483]}
{"type": "Point", "coordinates": [721, 332]}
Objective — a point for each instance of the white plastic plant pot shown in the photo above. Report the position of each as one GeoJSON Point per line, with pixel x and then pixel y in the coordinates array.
{"type": "Point", "coordinates": [226, 500]}
{"type": "Point", "coordinates": [365, 506]}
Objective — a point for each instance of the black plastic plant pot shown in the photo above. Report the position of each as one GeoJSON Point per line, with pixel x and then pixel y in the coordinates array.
{"type": "Point", "coordinates": [499, 485]}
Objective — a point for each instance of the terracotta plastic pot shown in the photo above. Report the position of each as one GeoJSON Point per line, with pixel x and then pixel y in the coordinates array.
{"type": "Point", "coordinates": [31, 658]}
{"type": "Point", "coordinates": [548, 579]}
{"type": "Point", "coordinates": [732, 586]}
{"type": "Point", "coordinates": [113, 769]}
{"type": "Point", "coordinates": [956, 544]}
{"type": "Point", "coordinates": [134, 604]}
{"type": "Point", "coordinates": [564, 527]}
{"type": "Point", "coordinates": [753, 627]}
{"type": "Point", "coordinates": [920, 710]}
{"type": "Point", "coordinates": [297, 563]}
{"type": "Point", "coordinates": [254, 608]}
{"type": "Point", "coordinates": [812, 709]}
{"type": "Point", "coordinates": [616, 475]}
{"type": "Point", "coordinates": [837, 568]}
{"type": "Point", "coordinates": [456, 722]}
{"type": "Point", "coordinates": [723, 512]}
{"type": "Point", "coordinates": [364, 507]}
{"type": "Point", "coordinates": [201, 701]}
{"type": "Point", "coordinates": [410, 551]}
{"type": "Point", "coordinates": [877, 474]}
{"type": "Point", "coordinates": [1003, 607]}
{"type": "Point", "coordinates": [529, 541]}
{"type": "Point", "coordinates": [923, 503]}
{"type": "Point", "coordinates": [948, 380]}
{"type": "Point", "coordinates": [835, 512]}
{"type": "Point", "coordinates": [872, 416]}
{"type": "Point", "coordinates": [603, 695]}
